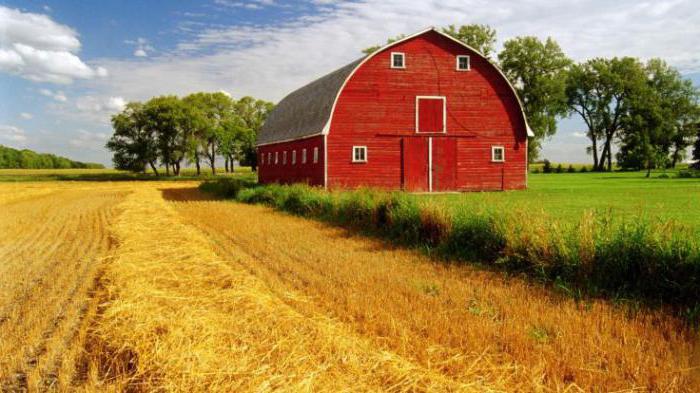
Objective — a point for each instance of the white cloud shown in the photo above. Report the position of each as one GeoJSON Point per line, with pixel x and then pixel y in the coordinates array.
{"type": "Point", "coordinates": [89, 140]}
{"type": "Point", "coordinates": [46, 8]}
{"type": "Point", "coordinates": [12, 134]}
{"type": "Point", "coordinates": [26, 116]}
{"type": "Point", "coordinates": [35, 47]}
{"type": "Point", "coordinates": [251, 5]}
{"type": "Point", "coordinates": [142, 47]}
{"type": "Point", "coordinates": [579, 134]}
{"type": "Point", "coordinates": [56, 95]}
{"type": "Point", "coordinates": [140, 53]}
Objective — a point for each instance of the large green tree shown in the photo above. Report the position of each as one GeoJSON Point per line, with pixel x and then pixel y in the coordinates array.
{"type": "Point", "coordinates": [601, 91]}
{"type": "Point", "coordinates": [133, 144]}
{"type": "Point", "coordinates": [537, 70]}
{"type": "Point", "coordinates": [165, 117]}
{"type": "Point", "coordinates": [253, 113]}
{"type": "Point", "coordinates": [217, 111]}
{"type": "Point", "coordinates": [480, 37]}
{"type": "Point", "coordinates": [696, 147]}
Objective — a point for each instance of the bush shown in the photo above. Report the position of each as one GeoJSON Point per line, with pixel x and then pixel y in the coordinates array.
{"type": "Point", "coordinates": [686, 174]}
{"type": "Point", "coordinates": [547, 167]}
{"type": "Point", "coordinates": [560, 169]}
{"type": "Point", "coordinates": [570, 169]}
{"type": "Point", "coordinates": [536, 170]}
{"type": "Point", "coordinates": [583, 169]}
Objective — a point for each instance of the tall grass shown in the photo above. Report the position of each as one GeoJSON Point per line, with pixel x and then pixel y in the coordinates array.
{"type": "Point", "coordinates": [640, 258]}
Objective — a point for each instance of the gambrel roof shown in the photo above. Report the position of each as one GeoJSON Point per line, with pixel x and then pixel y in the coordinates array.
{"type": "Point", "coordinates": [308, 110]}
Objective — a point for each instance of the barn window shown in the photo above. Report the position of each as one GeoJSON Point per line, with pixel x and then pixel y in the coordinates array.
{"type": "Point", "coordinates": [284, 157]}
{"type": "Point", "coordinates": [294, 157]}
{"type": "Point", "coordinates": [303, 156]}
{"type": "Point", "coordinates": [498, 154]}
{"type": "Point", "coordinates": [463, 63]}
{"type": "Point", "coordinates": [359, 154]}
{"type": "Point", "coordinates": [277, 157]}
{"type": "Point", "coordinates": [398, 60]}
{"type": "Point", "coordinates": [315, 155]}
{"type": "Point", "coordinates": [269, 158]}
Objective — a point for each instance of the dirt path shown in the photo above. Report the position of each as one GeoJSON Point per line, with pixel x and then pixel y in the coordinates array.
{"type": "Point", "coordinates": [464, 324]}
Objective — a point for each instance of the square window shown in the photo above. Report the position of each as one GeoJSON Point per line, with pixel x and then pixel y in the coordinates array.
{"type": "Point", "coordinates": [398, 60]}
{"type": "Point", "coordinates": [463, 63]}
{"type": "Point", "coordinates": [294, 157]}
{"type": "Point", "coordinates": [359, 154]}
{"type": "Point", "coordinates": [277, 157]}
{"type": "Point", "coordinates": [498, 154]}
{"type": "Point", "coordinates": [315, 155]}
{"type": "Point", "coordinates": [303, 156]}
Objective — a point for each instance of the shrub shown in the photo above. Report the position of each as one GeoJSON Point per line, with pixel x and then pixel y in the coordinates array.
{"type": "Point", "coordinates": [536, 170]}
{"type": "Point", "coordinates": [570, 169]}
{"type": "Point", "coordinates": [547, 167]}
{"type": "Point", "coordinates": [583, 169]}
{"type": "Point", "coordinates": [686, 174]}
{"type": "Point", "coordinates": [560, 169]}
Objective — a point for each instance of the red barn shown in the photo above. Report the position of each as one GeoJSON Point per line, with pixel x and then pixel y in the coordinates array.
{"type": "Point", "coordinates": [425, 113]}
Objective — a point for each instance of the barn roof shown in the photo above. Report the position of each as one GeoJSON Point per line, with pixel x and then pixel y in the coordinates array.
{"type": "Point", "coordinates": [307, 111]}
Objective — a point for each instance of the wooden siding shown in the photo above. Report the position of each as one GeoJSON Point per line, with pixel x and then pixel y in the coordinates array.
{"type": "Point", "coordinates": [298, 172]}
{"type": "Point", "coordinates": [377, 109]}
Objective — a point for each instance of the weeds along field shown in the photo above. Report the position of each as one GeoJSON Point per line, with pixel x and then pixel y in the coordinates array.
{"type": "Point", "coordinates": [156, 286]}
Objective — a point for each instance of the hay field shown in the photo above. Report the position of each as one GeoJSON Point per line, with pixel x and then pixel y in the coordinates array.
{"type": "Point", "coordinates": [151, 286]}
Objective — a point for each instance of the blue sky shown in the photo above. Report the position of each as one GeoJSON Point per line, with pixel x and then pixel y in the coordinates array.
{"type": "Point", "coordinates": [67, 66]}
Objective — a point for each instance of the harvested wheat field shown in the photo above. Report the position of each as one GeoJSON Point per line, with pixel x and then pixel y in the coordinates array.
{"type": "Point", "coordinates": [155, 287]}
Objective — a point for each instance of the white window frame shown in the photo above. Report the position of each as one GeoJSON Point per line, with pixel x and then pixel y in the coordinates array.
{"type": "Point", "coordinates": [284, 157]}
{"type": "Point", "coordinates": [303, 156]}
{"type": "Point", "coordinates": [269, 158]}
{"type": "Point", "coordinates": [469, 63]}
{"type": "Point", "coordinates": [315, 155]}
{"type": "Point", "coordinates": [403, 60]}
{"type": "Point", "coordinates": [493, 153]}
{"type": "Point", "coordinates": [444, 114]}
{"type": "Point", "coordinates": [294, 157]}
{"type": "Point", "coordinates": [277, 157]}
{"type": "Point", "coordinates": [364, 154]}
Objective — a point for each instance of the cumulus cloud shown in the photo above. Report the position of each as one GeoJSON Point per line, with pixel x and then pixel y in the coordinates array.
{"type": "Point", "coordinates": [579, 134]}
{"type": "Point", "coordinates": [268, 61]}
{"type": "Point", "coordinates": [35, 47]}
{"type": "Point", "coordinates": [26, 116]}
{"type": "Point", "coordinates": [56, 95]}
{"type": "Point", "coordinates": [12, 134]}
{"type": "Point", "coordinates": [89, 140]}
{"type": "Point", "coordinates": [100, 104]}
{"type": "Point", "coordinates": [141, 47]}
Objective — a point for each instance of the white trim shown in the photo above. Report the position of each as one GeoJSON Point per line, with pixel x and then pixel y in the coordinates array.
{"type": "Point", "coordinates": [294, 157]}
{"type": "Point", "coordinates": [269, 158]}
{"type": "Point", "coordinates": [493, 153]}
{"type": "Point", "coordinates": [362, 148]}
{"type": "Point", "coordinates": [469, 63]}
{"type": "Point", "coordinates": [277, 158]}
{"type": "Point", "coordinates": [430, 164]}
{"type": "Point", "coordinates": [325, 160]}
{"type": "Point", "coordinates": [444, 114]}
{"type": "Point", "coordinates": [303, 156]}
{"type": "Point", "coordinates": [403, 60]}
{"type": "Point", "coordinates": [316, 155]}
{"type": "Point", "coordinates": [327, 127]}
{"type": "Point", "coordinates": [284, 157]}
{"type": "Point", "coordinates": [288, 140]}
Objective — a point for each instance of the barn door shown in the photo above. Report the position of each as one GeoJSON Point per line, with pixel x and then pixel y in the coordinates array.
{"type": "Point", "coordinates": [444, 164]}
{"type": "Point", "coordinates": [414, 164]}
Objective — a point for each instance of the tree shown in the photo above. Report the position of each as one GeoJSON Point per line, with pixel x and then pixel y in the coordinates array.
{"type": "Point", "coordinates": [480, 37]}
{"type": "Point", "coordinates": [165, 116]}
{"type": "Point", "coordinates": [195, 129]}
{"type": "Point", "coordinates": [253, 113]}
{"type": "Point", "coordinates": [658, 126]}
{"type": "Point", "coordinates": [216, 109]}
{"type": "Point", "coordinates": [600, 91]}
{"type": "Point", "coordinates": [696, 147]}
{"type": "Point", "coordinates": [372, 49]}
{"type": "Point", "coordinates": [537, 71]}
{"type": "Point", "coordinates": [134, 145]}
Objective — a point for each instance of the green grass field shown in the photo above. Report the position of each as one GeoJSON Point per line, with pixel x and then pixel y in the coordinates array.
{"type": "Point", "coordinates": [567, 196]}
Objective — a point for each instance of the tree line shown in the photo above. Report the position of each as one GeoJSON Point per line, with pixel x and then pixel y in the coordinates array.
{"type": "Point", "coordinates": [647, 110]}
{"type": "Point", "coordinates": [169, 131]}
{"type": "Point", "coordinates": [27, 159]}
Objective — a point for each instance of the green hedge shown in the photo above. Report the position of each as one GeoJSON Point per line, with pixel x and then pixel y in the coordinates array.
{"type": "Point", "coordinates": [641, 259]}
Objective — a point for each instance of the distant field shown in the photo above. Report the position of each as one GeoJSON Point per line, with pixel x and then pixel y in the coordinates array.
{"type": "Point", "coordinates": [18, 175]}
{"type": "Point", "coordinates": [566, 196]}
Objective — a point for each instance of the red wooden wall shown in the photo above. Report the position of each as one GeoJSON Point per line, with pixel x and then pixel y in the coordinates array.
{"type": "Point", "coordinates": [377, 109]}
{"type": "Point", "coordinates": [310, 172]}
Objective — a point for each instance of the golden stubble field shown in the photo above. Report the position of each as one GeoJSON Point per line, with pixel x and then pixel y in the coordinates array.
{"type": "Point", "coordinates": [152, 286]}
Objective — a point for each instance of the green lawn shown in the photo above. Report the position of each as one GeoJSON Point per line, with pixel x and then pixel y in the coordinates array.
{"type": "Point", "coordinates": [567, 195]}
